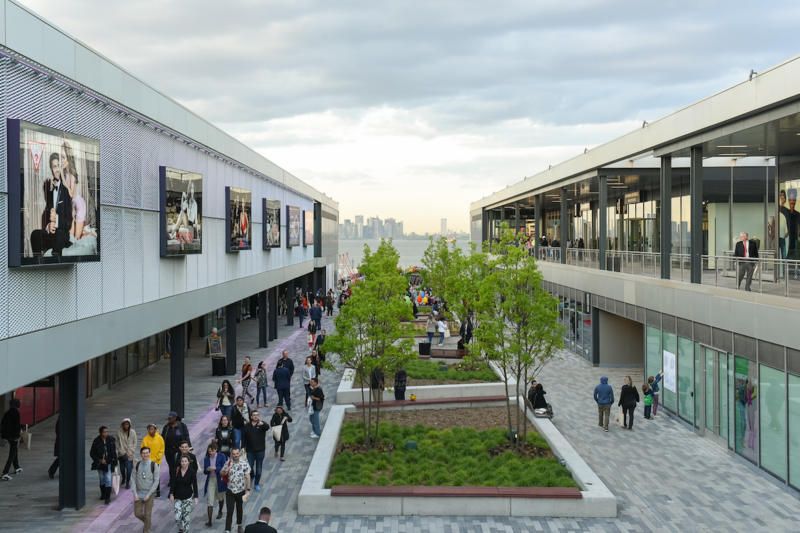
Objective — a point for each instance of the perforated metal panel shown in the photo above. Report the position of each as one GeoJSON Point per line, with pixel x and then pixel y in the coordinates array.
{"type": "Point", "coordinates": [90, 289]}
{"type": "Point", "coordinates": [61, 301]}
{"type": "Point", "coordinates": [132, 169]}
{"type": "Point", "coordinates": [191, 272]}
{"type": "Point", "coordinates": [134, 260]}
{"type": "Point", "coordinates": [111, 230]}
{"type": "Point", "coordinates": [26, 301]}
{"type": "Point", "coordinates": [166, 277]}
{"type": "Point", "coordinates": [150, 257]}
{"type": "Point", "coordinates": [112, 162]}
{"type": "Point", "coordinates": [3, 116]}
{"type": "Point", "coordinates": [3, 269]}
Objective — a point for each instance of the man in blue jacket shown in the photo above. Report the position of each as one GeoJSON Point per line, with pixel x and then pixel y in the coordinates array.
{"type": "Point", "coordinates": [604, 396]}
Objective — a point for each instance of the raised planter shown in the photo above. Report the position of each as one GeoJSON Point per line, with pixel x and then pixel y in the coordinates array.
{"type": "Point", "coordinates": [593, 499]}
{"type": "Point", "coordinates": [348, 394]}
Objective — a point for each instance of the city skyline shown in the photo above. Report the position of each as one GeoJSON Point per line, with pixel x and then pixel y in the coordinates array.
{"type": "Point", "coordinates": [361, 228]}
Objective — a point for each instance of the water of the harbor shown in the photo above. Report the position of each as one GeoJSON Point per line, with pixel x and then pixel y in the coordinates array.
{"type": "Point", "coordinates": [410, 251]}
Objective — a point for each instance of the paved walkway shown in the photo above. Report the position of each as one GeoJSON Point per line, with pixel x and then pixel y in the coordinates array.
{"type": "Point", "coordinates": [665, 477]}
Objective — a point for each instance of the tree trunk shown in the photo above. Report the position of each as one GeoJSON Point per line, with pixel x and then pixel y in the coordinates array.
{"type": "Point", "coordinates": [508, 404]}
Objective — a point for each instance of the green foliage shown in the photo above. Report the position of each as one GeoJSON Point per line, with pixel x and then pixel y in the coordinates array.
{"type": "Point", "coordinates": [421, 369]}
{"type": "Point", "coordinates": [447, 457]}
{"type": "Point", "coordinates": [454, 276]}
{"type": "Point", "coordinates": [370, 327]}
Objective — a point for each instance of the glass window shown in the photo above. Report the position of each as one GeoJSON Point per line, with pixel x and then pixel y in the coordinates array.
{"type": "Point", "coordinates": [669, 397]}
{"type": "Point", "coordinates": [722, 391]}
{"type": "Point", "coordinates": [794, 430]}
{"type": "Point", "coordinates": [710, 424]}
{"type": "Point", "coordinates": [772, 407]}
{"type": "Point", "coordinates": [686, 379]}
{"type": "Point", "coordinates": [746, 397]}
{"type": "Point", "coordinates": [653, 356]}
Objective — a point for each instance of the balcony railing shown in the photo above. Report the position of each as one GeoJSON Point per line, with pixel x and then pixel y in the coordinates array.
{"type": "Point", "coordinates": [583, 257]}
{"type": "Point", "coordinates": [549, 255]}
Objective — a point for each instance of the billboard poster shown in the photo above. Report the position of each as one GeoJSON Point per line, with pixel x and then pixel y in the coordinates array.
{"type": "Point", "coordinates": [272, 223]}
{"type": "Point", "coordinates": [292, 226]}
{"type": "Point", "coordinates": [181, 212]}
{"type": "Point", "coordinates": [56, 193]}
{"type": "Point", "coordinates": [308, 228]}
{"type": "Point", "coordinates": [670, 371]}
{"type": "Point", "coordinates": [237, 220]}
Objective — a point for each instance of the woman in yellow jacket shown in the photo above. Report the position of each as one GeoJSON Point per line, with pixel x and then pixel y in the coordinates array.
{"type": "Point", "coordinates": [155, 442]}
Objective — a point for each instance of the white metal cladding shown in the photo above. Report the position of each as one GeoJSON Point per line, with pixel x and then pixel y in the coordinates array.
{"type": "Point", "coordinates": [131, 271]}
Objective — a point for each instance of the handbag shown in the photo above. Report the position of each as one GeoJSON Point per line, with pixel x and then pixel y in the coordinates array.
{"type": "Point", "coordinates": [225, 472]}
{"type": "Point", "coordinates": [310, 406]}
{"type": "Point", "coordinates": [25, 436]}
{"type": "Point", "coordinates": [115, 479]}
{"type": "Point", "coordinates": [277, 431]}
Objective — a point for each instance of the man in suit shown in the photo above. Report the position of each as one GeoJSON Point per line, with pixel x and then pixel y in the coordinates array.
{"type": "Point", "coordinates": [746, 253]}
{"type": "Point", "coordinates": [262, 526]}
{"type": "Point", "coordinates": [56, 220]}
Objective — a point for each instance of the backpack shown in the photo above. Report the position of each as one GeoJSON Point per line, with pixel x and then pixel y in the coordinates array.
{"type": "Point", "coordinates": [152, 467]}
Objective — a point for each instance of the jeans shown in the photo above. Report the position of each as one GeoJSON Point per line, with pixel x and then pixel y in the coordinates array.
{"type": "Point", "coordinates": [255, 460]}
{"type": "Point", "coordinates": [430, 337]}
{"type": "Point", "coordinates": [300, 316]}
{"type": "Point", "coordinates": [318, 322]}
{"type": "Point", "coordinates": [226, 410]}
{"type": "Point", "coordinates": [655, 404]}
{"type": "Point", "coordinates": [285, 394]}
{"type": "Point", "coordinates": [125, 469]}
{"type": "Point", "coordinates": [280, 445]}
{"type": "Point", "coordinates": [105, 477]}
{"type": "Point", "coordinates": [647, 411]}
{"type": "Point", "coordinates": [232, 499]}
{"type": "Point", "coordinates": [604, 412]}
{"type": "Point", "coordinates": [237, 439]}
{"type": "Point", "coordinates": [307, 386]}
{"type": "Point", "coordinates": [143, 510]}
{"type": "Point", "coordinates": [259, 391]}
{"type": "Point", "coordinates": [441, 337]}
{"type": "Point", "coordinates": [314, 416]}
{"type": "Point", "coordinates": [627, 416]}
{"type": "Point", "coordinates": [13, 455]}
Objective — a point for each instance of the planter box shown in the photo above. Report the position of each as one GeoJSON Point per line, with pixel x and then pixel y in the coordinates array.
{"type": "Point", "coordinates": [593, 499]}
{"type": "Point", "coordinates": [347, 394]}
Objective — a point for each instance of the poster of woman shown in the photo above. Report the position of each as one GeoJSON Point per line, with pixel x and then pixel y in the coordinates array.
{"type": "Point", "coordinates": [272, 223]}
{"type": "Point", "coordinates": [57, 196]}
{"type": "Point", "coordinates": [308, 228]}
{"type": "Point", "coordinates": [237, 221]}
{"type": "Point", "coordinates": [292, 226]}
{"type": "Point", "coordinates": [181, 212]}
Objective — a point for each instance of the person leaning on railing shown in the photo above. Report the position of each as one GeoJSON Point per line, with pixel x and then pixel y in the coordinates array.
{"type": "Point", "coordinates": [746, 252]}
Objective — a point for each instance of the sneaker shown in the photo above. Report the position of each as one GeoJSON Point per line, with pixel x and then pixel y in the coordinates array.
{"type": "Point", "coordinates": [282, 459]}
{"type": "Point", "coordinates": [6, 477]}
{"type": "Point", "coordinates": [18, 470]}
{"type": "Point", "coordinates": [258, 488]}
{"type": "Point", "coordinates": [314, 436]}
{"type": "Point", "coordinates": [605, 429]}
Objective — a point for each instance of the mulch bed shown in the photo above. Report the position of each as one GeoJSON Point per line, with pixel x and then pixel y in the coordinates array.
{"type": "Point", "coordinates": [480, 418]}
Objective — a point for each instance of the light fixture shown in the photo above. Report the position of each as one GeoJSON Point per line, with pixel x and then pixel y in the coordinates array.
{"type": "Point", "coordinates": [732, 145]}
{"type": "Point", "coordinates": [733, 155]}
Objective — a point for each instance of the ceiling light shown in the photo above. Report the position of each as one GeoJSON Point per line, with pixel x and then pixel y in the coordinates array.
{"type": "Point", "coordinates": [733, 155]}
{"type": "Point", "coordinates": [731, 146]}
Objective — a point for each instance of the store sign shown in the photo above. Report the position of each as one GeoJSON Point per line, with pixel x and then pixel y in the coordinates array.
{"type": "Point", "coordinates": [632, 197]}
{"type": "Point", "coordinates": [670, 371]}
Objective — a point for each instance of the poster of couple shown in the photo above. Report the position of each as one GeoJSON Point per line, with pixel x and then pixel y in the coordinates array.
{"type": "Point", "coordinates": [239, 215]}
{"type": "Point", "coordinates": [57, 196]}
{"type": "Point", "coordinates": [272, 223]}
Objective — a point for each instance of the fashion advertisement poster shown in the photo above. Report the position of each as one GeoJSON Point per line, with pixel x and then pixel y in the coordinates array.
{"type": "Point", "coordinates": [238, 219]}
{"type": "Point", "coordinates": [292, 226]}
{"type": "Point", "coordinates": [182, 212]}
{"type": "Point", "coordinates": [308, 228]}
{"type": "Point", "coordinates": [57, 196]}
{"type": "Point", "coordinates": [272, 223]}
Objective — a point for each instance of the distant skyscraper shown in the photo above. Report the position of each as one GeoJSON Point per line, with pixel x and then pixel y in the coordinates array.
{"type": "Point", "coordinates": [400, 232]}
{"type": "Point", "coordinates": [359, 227]}
{"type": "Point", "coordinates": [443, 229]}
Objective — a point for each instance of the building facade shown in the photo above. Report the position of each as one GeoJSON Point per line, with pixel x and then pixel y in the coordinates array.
{"type": "Point", "coordinates": [642, 240]}
{"type": "Point", "coordinates": [138, 269]}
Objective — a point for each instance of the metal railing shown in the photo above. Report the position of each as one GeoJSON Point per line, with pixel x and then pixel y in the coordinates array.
{"type": "Point", "coordinates": [549, 254]}
{"type": "Point", "coordinates": [780, 277]}
{"type": "Point", "coordinates": [583, 257]}
{"type": "Point", "coordinates": [680, 267]}
{"type": "Point", "coordinates": [636, 263]}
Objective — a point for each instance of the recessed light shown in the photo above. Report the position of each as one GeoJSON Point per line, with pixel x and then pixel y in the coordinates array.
{"type": "Point", "coordinates": [732, 155]}
{"type": "Point", "coordinates": [733, 145]}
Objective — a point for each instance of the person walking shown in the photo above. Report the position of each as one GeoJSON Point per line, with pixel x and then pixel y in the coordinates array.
{"type": "Point", "coordinates": [653, 382]}
{"type": "Point", "coordinates": [319, 348]}
{"type": "Point", "coordinates": [145, 484]}
{"type": "Point", "coordinates": [241, 414]}
{"type": "Point", "coordinates": [400, 381]}
{"type": "Point", "coordinates": [309, 372]}
{"type": "Point", "coordinates": [604, 397]}
{"type": "Point", "coordinates": [11, 431]}
{"type": "Point", "coordinates": [183, 493]}
{"type": "Point", "coordinates": [104, 459]}
{"type": "Point", "coordinates": [215, 486]}
{"type": "Point", "coordinates": [430, 328]}
{"type": "Point", "coordinates": [174, 432]}
{"type": "Point", "coordinates": [126, 449]}
{"type": "Point", "coordinates": [185, 451]}
{"type": "Point", "coordinates": [262, 526]}
{"type": "Point", "coordinates": [226, 398]}
{"type": "Point", "coordinates": [441, 327]}
{"type": "Point", "coordinates": [261, 384]}
{"type": "Point", "coordinates": [51, 472]}
{"type": "Point", "coordinates": [237, 472]}
{"type": "Point", "coordinates": [282, 378]}
{"type": "Point", "coordinates": [287, 362]}
{"type": "Point", "coordinates": [300, 311]}
{"type": "Point", "coordinates": [628, 398]}
{"type": "Point", "coordinates": [317, 400]}
{"type": "Point", "coordinates": [255, 439]}
{"type": "Point", "coordinates": [246, 379]}
{"type": "Point", "coordinates": [155, 443]}
{"type": "Point", "coordinates": [224, 436]}
{"type": "Point", "coordinates": [316, 315]}
{"type": "Point", "coordinates": [280, 429]}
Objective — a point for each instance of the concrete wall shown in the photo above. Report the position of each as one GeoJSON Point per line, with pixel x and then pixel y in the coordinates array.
{"type": "Point", "coordinates": [621, 341]}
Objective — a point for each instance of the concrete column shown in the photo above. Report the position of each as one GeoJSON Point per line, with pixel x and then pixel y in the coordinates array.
{"type": "Point", "coordinates": [595, 336]}
{"type": "Point", "coordinates": [666, 215]}
{"type": "Point", "coordinates": [231, 314]}
{"type": "Point", "coordinates": [263, 319]}
{"type": "Point", "coordinates": [602, 212]}
{"type": "Point", "coordinates": [177, 368]}
{"type": "Point", "coordinates": [516, 218]}
{"type": "Point", "coordinates": [290, 303]}
{"type": "Point", "coordinates": [273, 313]}
{"type": "Point", "coordinates": [696, 212]}
{"type": "Point", "coordinates": [562, 225]}
{"type": "Point", "coordinates": [484, 226]}
{"type": "Point", "coordinates": [72, 438]}
{"type": "Point", "coordinates": [538, 221]}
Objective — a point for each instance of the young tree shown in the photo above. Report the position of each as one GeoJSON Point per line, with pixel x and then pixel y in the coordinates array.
{"type": "Point", "coordinates": [519, 327]}
{"type": "Point", "coordinates": [369, 332]}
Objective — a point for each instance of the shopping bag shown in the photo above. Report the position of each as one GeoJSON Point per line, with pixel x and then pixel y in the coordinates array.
{"type": "Point", "coordinates": [620, 418]}
{"type": "Point", "coordinates": [276, 432]}
{"type": "Point", "coordinates": [115, 479]}
{"type": "Point", "coordinates": [25, 436]}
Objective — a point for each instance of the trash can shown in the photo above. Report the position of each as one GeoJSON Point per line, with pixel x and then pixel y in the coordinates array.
{"type": "Point", "coordinates": [218, 366]}
{"type": "Point", "coordinates": [424, 348]}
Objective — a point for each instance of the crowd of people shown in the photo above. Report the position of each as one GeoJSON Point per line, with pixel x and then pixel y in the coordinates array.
{"type": "Point", "coordinates": [629, 398]}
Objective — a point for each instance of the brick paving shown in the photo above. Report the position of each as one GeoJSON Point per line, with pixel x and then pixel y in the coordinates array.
{"type": "Point", "coordinates": [665, 477]}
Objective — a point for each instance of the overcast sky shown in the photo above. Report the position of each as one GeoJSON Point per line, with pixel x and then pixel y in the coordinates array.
{"type": "Point", "coordinates": [414, 109]}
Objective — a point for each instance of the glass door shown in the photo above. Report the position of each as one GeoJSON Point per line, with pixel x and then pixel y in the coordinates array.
{"type": "Point", "coordinates": [713, 401]}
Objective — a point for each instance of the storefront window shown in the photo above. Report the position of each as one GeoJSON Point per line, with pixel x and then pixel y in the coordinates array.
{"type": "Point", "coordinates": [794, 430]}
{"type": "Point", "coordinates": [653, 356]}
{"type": "Point", "coordinates": [746, 397]}
{"type": "Point", "coordinates": [686, 379]}
{"type": "Point", "coordinates": [772, 404]}
{"type": "Point", "coordinates": [669, 397]}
